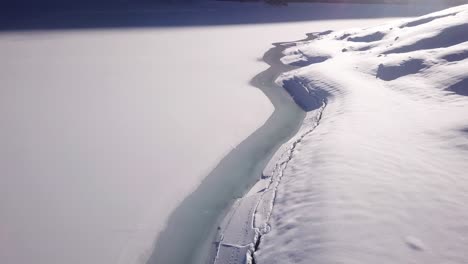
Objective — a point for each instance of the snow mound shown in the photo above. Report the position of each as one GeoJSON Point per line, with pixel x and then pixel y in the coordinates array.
{"type": "Point", "coordinates": [460, 87]}
{"type": "Point", "coordinates": [434, 45]}
{"type": "Point", "coordinates": [394, 71]}
{"type": "Point", "coordinates": [375, 36]}
{"type": "Point", "coordinates": [382, 178]}
{"type": "Point", "coordinates": [303, 57]}
{"type": "Point", "coordinates": [426, 19]}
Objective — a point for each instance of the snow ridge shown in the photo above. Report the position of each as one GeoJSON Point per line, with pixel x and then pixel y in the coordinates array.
{"type": "Point", "coordinates": [383, 178]}
{"type": "Point", "coordinates": [262, 224]}
{"type": "Point", "coordinates": [365, 78]}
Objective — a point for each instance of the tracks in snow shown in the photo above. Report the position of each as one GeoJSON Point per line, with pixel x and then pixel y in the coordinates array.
{"type": "Point", "coordinates": [239, 234]}
{"type": "Point", "coordinates": [242, 230]}
{"type": "Point", "coordinates": [278, 174]}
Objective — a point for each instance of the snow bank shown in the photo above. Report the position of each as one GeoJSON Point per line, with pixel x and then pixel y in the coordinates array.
{"type": "Point", "coordinates": [105, 132]}
{"type": "Point", "coordinates": [382, 178]}
{"type": "Point", "coordinates": [240, 236]}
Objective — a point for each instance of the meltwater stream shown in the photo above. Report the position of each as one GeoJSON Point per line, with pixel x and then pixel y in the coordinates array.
{"type": "Point", "coordinates": [191, 228]}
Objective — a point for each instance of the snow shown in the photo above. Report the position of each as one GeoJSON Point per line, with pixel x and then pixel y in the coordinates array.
{"type": "Point", "coordinates": [105, 132]}
{"type": "Point", "coordinates": [382, 177]}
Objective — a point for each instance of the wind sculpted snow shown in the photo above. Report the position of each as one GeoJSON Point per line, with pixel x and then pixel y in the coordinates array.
{"type": "Point", "coordinates": [109, 133]}
{"type": "Point", "coordinates": [383, 178]}
{"type": "Point", "coordinates": [377, 172]}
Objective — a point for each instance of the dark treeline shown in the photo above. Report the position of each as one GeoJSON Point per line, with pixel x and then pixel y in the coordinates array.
{"type": "Point", "coordinates": [440, 2]}
{"type": "Point", "coordinates": [69, 14]}
{"type": "Point", "coordinates": [25, 5]}
{"type": "Point", "coordinates": [31, 5]}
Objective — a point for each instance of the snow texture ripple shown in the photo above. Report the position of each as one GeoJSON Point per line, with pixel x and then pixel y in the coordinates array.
{"type": "Point", "coordinates": [383, 178]}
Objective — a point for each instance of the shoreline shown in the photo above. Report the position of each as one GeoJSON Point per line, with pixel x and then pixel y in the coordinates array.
{"type": "Point", "coordinates": [234, 176]}
{"type": "Point", "coordinates": [239, 234]}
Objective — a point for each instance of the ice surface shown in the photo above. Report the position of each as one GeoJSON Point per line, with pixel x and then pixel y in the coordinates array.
{"type": "Point", "coordinates": [242, 219]}
{"type": "Point", "coordinates": [106, 131]}
{"type": "Point", "coordinates": [229, 254]}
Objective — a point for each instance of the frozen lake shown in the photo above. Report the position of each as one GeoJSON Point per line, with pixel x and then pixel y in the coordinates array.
{"type": "Point", "coordinates": [106, 130]}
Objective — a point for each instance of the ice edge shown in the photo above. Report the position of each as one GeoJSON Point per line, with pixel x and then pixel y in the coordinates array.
{"type": "Point", "coordinates": [239, 234]}
{"type": "Point", "coordinates": [257, 213]}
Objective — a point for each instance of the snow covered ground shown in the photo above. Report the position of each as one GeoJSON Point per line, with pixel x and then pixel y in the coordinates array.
{"type": "Point", "coordinates": [104, 132]}
{"type": "Point", "coordinates": [378, 172]}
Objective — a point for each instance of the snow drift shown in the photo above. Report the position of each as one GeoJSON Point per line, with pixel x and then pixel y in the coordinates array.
{"type": "Point", "coordinates": [106, 131]}
{"type": "Point", "coordinates": [377, 173]}
{"type": "Point", "coordinates": [383, 178]}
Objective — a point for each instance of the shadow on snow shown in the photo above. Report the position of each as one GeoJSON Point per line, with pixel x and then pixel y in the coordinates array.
{"type": "Point", "coordinates": [86, 14]}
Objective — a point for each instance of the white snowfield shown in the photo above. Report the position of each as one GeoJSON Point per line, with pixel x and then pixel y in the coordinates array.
{"type": "Point", "coordinates": [104, 132]}
{"type": "Point", "coordinates": [378, 172]}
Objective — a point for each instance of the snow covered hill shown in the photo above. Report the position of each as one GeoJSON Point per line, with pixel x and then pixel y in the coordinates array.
{"type": "Point", "coordinates": [383, 177]}
{"type": "Point", "coordinates": [378, 170]}
{"type": "Point", "coordinates": [108, 128]}
{"type": "Point", "coordinates": [106, 131]}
